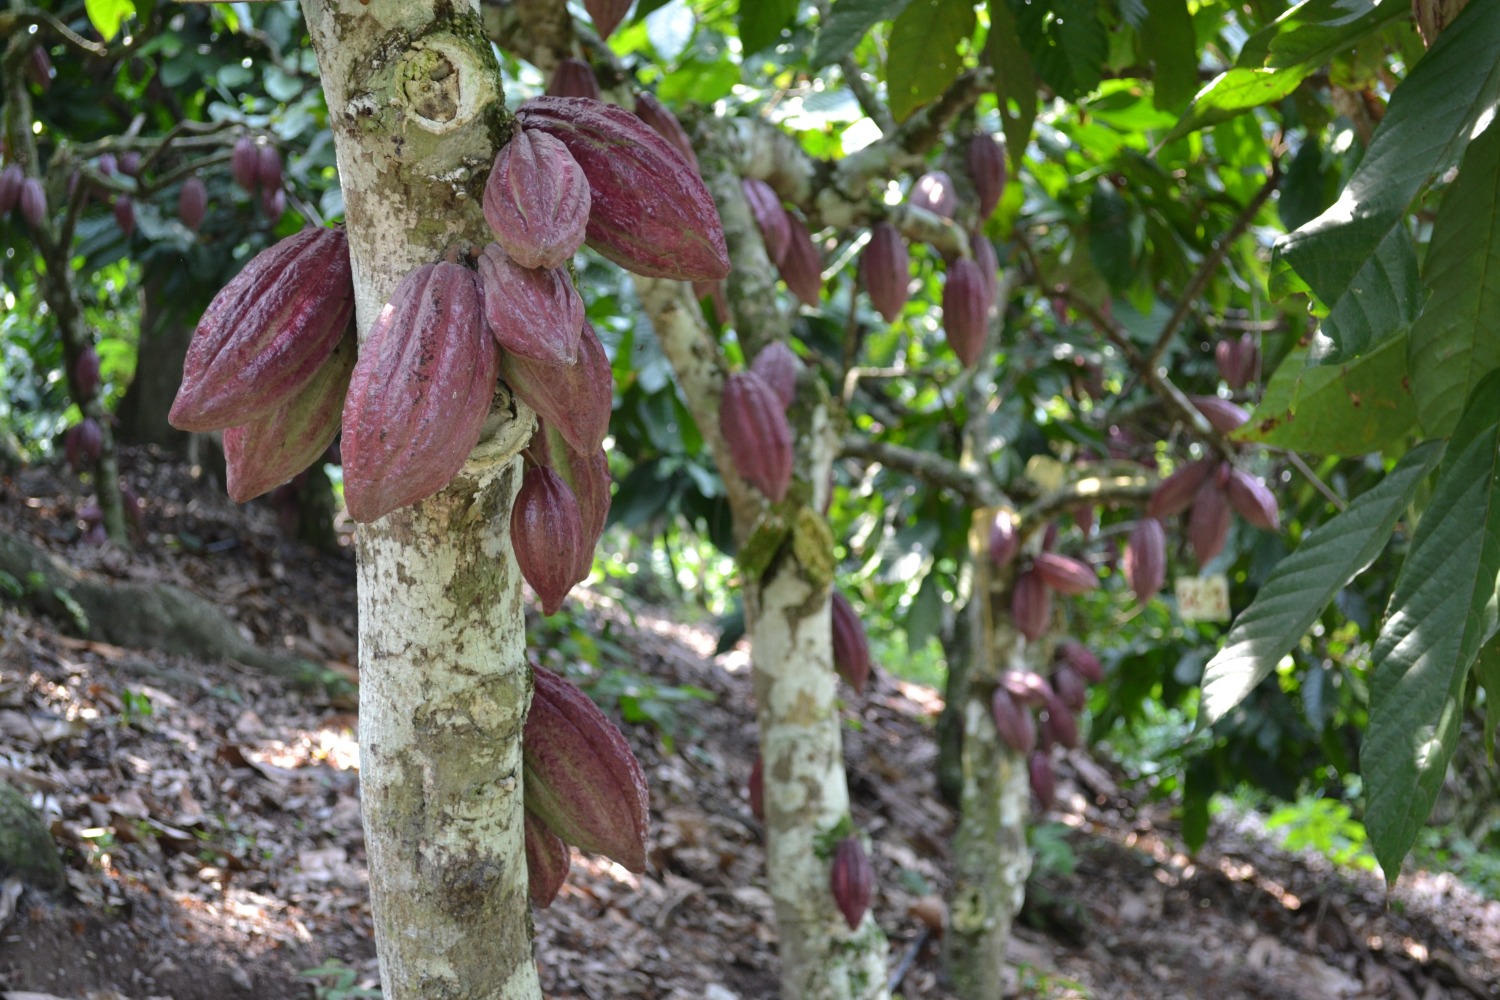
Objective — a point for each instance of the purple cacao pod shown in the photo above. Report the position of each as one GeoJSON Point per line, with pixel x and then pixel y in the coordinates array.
{"type": "Point", "coordinates": [1208, 524]}
{"type": "Point", "coordinates": [536, 201]}
{"type": "Point", "coordinates": [420, 392]}
{"type": "Point", "coordinates": [851, 647]}
{"type": "Point", "coordinates": [1061, 725]}
{"type": "Point", "coordinates": [533, 312]}
{"type": "Point", "coordinates": [82, 444]}
{"type": "Point", "coordinates": [965, 310]}
{"type": "Point", "coordinates": [86, 373]}
{"type": "Point", "coordinates": [606, 14]}
{"type": "Point", "coordinates": [547, 862]}
{"type": "Point", "coordinates": [130, 163]}
{"type": "Point", "coordinates": [1174, 494]}
{"type": "Point", "coordinates": [39, 68]}
{"type": "Point", "coordinates": [851, 879]}
{"type": "Point", "coordinates": [1146, 558]}
{"type": "Point", "coordinates": [579, 775]}
{"type": "Point", "coordinates": [574, 78]}
{"type": "Point", "coordinates": [1013, 721]}
{"type": "Point", "coordinates": [268, 167]}
{"type": "Point", "coordinates": [588, 477]}
{"type": "Point", "coordinates": [770, 217]}
{"type": "Point", "coordinates": [546, 530]}
{"type": "Point", "coordinates": [1027, 687]}
{"type": "Point", "coordinates": [934, 192]}
{"type": "Point", "coordinates": [109, 165]}
{"type": "Point", "coordinates": [244, 164]}
{"type": "Point", "coordinates": [1252, 500]}
{"type": "Point", "coordinates": [1237, 360]}
{"type": "Point", "coordinates": [273, 203]}
{"type": "Point", "coordinates": [11, 179]}
{"type": "Point", "coordinates": [1222, 415]}
{"type": "Point", "coordinates": [1031, 605]}
{"type": "Point", "coordinates": [192, 203]}
{"type": "Point", "coordinates": [778, 365]}
{"type": "Point", "coordinates": [885, 271]}
{"type": "Point", "coordinates": [33, 203]}
{"type": "Point", "coordinates": [989, 265]}
{"type": "Point", "coordinates": [986, 159]}
{"type": "Point", "coordinates": [267, 332]}
{"type": "Point", "coordinates": [755, 428]}
{"type": "Point", "coordinates": [650, 212]}
{"type": "Point", "coordinates": [1043, 781]}
{"type": "Point", "coordinates": [1065, 574]}
{"type": "Point", "coordinates": [1070, 687]}
{"type": "Point", "coordinates": [574, 399]}
{"type": "Point", "coordinates": [755, 788]}
{"type": "Point", "coordinates": [802, 267]}
{"type": "Point", "coordinates": [1005, 542]}
{"type": "Point", "coordinates": [656, 114]}
{"type": "Point", "coordinates": [1082, 659]}
{"type": "Point", "coordinates": [1049, 536]}
{"type": "Point", "coordinates": [124, 210]}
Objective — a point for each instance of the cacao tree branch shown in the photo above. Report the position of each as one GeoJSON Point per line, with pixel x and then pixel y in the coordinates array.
{"type": "Point", "coordinates": [539, 31]}
{"type": "Point", "coordinates": [15, 20]}
{"type": "Point", "coordinates": [1102, 483]}
{"type": "Point", "coordinates": [865, 94]}
{"type": "Point", "coordinates": [975, 489]}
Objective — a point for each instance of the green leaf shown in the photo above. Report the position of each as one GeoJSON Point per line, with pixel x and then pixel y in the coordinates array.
{"type": "Point", "coordinates": [1426, 126]}
{"type": "Point", "coordinates": [1110, 244]}
{"type": "Point", "coordinates": [1167, 39]}
{"type": "Point", "coordinates": [1453, 342]}
{"type": "Point", "coordinates": [1015, 80]}
{"type": "Point", "coordinates": [846, 24]}
{"type": "Point", "coordinates": [1068, 42]}
{"type": "Point", "coordinates": [1312, 33]}
{"type": "Point", "coordinates": [1382, 300]}
{"type": "Point", "coordinates": [107, 15]}
{"type": "Point", "coordinates": [1360, 406]}
{"type": "Point", "coordinates": [1487, 673]}
{"type": "Point", "coordinates": [1233, 91]}
{"type": "Point", "coordinates": [1443, 609]}
{"type": "Point", "coordinates": [923, 58]}
{"type": "Point", "coordinates": [761, 22]}
{"type": "Point", "coordinates": [1303, 583]}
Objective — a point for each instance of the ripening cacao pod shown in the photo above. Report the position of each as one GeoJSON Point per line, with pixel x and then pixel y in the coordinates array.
{"type": "Point", "coordinates": [580, 777]}
{"type": "Point", "coordinates": [1031, 604]}
{"type": "Point", "coordinates": [778, 365]}
{"type": "Point", "coordinates": [1071, 690]}
{"type": "Point", "coordinates": [420, 392]}
{"type": "Point", "coordinates": [574, 78]}
{"type": "Point", "coordinates": [587, 477]}
{"type": "Point", "coordinates": [1013, 721]}
{"type": "Point", "coordinates": [533, 312]}
{"type": "Point", "coordinates": [606, 14]}
{"type": "Point", "coordinates": [801, 268]}
{"type": "Point", "coordinates": [575, 399]}
{"type": "Point", "coordinates": [109, 165]}
{"type": "Point", "coordinates": [1082, 659]}
{"type": "Point", "coordinates": [1252, 500]}
{"type": "Point", "coordinates": [934, 192]}
{"type": "Point", "coordinates": [33, 203]}
{"type": "Point", "coordinates": [1061, 725]}
{"type": "Point", "coordinates": [130, 163]}
{"type": "Point", "coordinates": [966, 309]}
{"type": "Point", "coordinates": [650, 212]}
{"type": "Point", "coordinates": [1043, 781]}
{"type": "Point", "coordinates": [1065, 574]}
{"type": "Point", "coordinates": [267, 332]}
{"type": "Point", "coordinates": [1237, 360]}
{"type": "Point", "coordinates": [770, 217]}
{"type": "Point", "coordinates": [756, 790]}
{"type": "Point", "coordinates": [547, 862]}
{"type": "Point", "coordinates": [1208, 524]}
{"type": "Point", "coordinates": [989, 265]}
{"type": "Point", "coordinates": [82, 444]}
{"type": "Point", "coordinates": [656, 114]}
{"type": "Point", "coordinates": [986, 160]}
{"type": "Point", "coordinates": [1222, 415]}
{"type": "Point", "coordinates": [86, 373]}
{"type": "Point", "coordinates": [885, 270]}
{"type": "Point", "coordinates": [851, 879]}
{"type": "Point", "coordinates": [1146, 559]}
{"type": "Point", "coordinates": [536, 200]}
{"type": "Point", "coordinates": [1005, 542]}
{"type": "Point", "coordinates": [273, 203]}
{"type": "Point", "coordinates": [244, 164]}
{"type": "Point", "coordinates": [1174, 494]}
{"type": "Point", "coordinates": [1027, 687]}
{"type": "Point", "coordinates": [546, 530]}
{"type": "Point", "coordinates": [274, 447]}
{"type": "Point", "coordinates": [124, 210]}
{"type": "Point", "coordinates": [192, 203]}
{"type": "Point", "coordinates": [851, 647]}
{"type": "Point", "coordinates": [755, 428]}
{"type": "Point", "coordinates": [11, 179]}
{"type": "Point", "coordinates": [268, 167]}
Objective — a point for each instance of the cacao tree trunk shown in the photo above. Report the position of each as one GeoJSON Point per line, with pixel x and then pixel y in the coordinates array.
{"type": "Point", "coordinates": [416, 111]}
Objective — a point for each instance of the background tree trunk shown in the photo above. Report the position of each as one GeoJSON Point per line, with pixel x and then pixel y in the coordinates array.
{"type": "Point", "coordinates": [165, 332]}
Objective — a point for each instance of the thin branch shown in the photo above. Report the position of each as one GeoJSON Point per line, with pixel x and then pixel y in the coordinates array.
{"type": "Point", "coordinates": [1102, 484]}
{"type": "Point", "coordinates": [869, 103]}
{"type": "Point", "coordinates": [1312, 477]}
{"type": "Point", "coordinates": [976, 489]}
{"type": "Point", "coordinates": [13, 20]}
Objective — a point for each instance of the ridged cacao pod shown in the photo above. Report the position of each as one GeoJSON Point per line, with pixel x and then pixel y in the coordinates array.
{"type": "Point", "coordinates": [1031, 605]}
{"type": "Point", "coordinates": [755, 788]}
{"type": "Point", "coordinates": [1070, 687]}
{"type": "Point", "coordinates": [778, 365]}
{"type": "Point", "coordinates": [575, 399]}
{"type": "Point", "coordinates": [851, 647]}
{"type": "Point", "coordinates": [267, 332]}
{"type": "Point", "coordinates": [885, 270]}
{"type": "Point", "coordinates": [130, 163]}
{"type": "Point", "coordinates": [574, 78]}
{"type": "Point", "coordinates": [547, 862]}
{"type": "Point", "coordinates": [1237, 360]}
{"type": "Point", "coordinates": [536, 200]}
{"type": "Point", "coordinates": [656, 114]}
{"type": "Point", "coordinates": [770, 217]}
{"type": "Point", "coordinates": [1221, 414]}
{"type": "Point", "coordinates": [1253, 501]}
{"type": "Point", "coordinates": [420, 392]}
{"type": "Point", "coordinates": [588, 478]}
{"type": "Point", "coordinates": [606, 14]}
{"type": "Point", "coordinates": [965, 310]}
{"type": "Point", "coordinates": [546, 530]}
{"type": "Point", "coordinates": [1005, 542]}
{"type": "Point", "coordinates": [124, 210]}
{"type": "Point", "coordinates": [1174, 494]}
{"type": "Point", "coordinates": [86, 373]}
{"type": "Point", "coordinates": [851, 879]}
{"type": "Point", "coordinates": [11, 179]}
{"type": "Point", "coordinates": [1208, 524]}
{"type": "Point", "coordinates": [82, 444]}
{"type": "Point", "coordinates": [244, 164]}
{"type": "Point", "coordinates": [533, 312]}
{"type": "Point", "coordinates": [1146, 559]}
{"type": "Point", "coordinates": [650, 213]}
{"type": "Point", "coordinates": [986, 159]}
{"type": "Point", "coordinates": [109, 165]}
{"type": "Point", "coordinates": [934, 192]}
{"type": "Point", "coordinates": [755, 428]}
{"type": "Point", "coordinates": [802, 267]}
{"type": "Point", "coordinates": [1065, 574]}
{"type": "Point", "coordinates": [580, 777]}
{"type": "Point", "coordinates": [268, 167]}
{"type": "Point", "coordinates": [1061, 725]}
{"type": "Point", "coordinates": [192, 203]}
{"type": "Point", "coordinates": [1027, 687]}
{"type": "Point", "coordinates": [1043, 781]}
{"type": "Point", "coordinates": [33, 203]}
{"type": "Point", "coordinates": [1013, 721]}
{"type": "Point", "coordinates": [271, 449]}
{"type": "Point", "coordinates": [273, 203]}
{"type": "Point", "coordinates": [1082, 659]}
{"type": "Point", "coordinates": [989, 265]}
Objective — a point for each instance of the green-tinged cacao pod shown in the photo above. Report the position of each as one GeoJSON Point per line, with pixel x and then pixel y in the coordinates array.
{"type": "Point", "coordinates": [1013, 721]}
{"type": "Point", "coordinates": [1043, 781]}
{"type": "Point", "coordinates": [580, 776]}
{"type": "Point", "coordinates": [547, 862]}
{"type": "Point", "coordinates": [192, 203]}
{"type": "Point", "coordinates": [755, 428]}
{"type": "Point", "coordinates": [934, 193]}
{"type": "Point", "coordinates": [802, 267]}
{"type": "Point", "coordinates": [82, 444]}
{"type": "Point", "coordinates": [33, 203]}
{"type": "Point", "coordinates": [656, 114]}
{"type": "Point", "coordinates": [1237, 360]}
{"type": "Point", "coordinates": [574, 78]}
{"type": "Point", "coordinates": [606, 14]}
{"type": "Point", "coordinates": [986, 159]}
{"type": "Point", "coordinates": [755, 788]}
{"type": "Point", "coordinates": [533, 312]}
{"type": "Point", "coordinates": [86, 372]}
{"type": "Point", "coordinates": [778, 365]}
{"type": "Point", "coordinates": [851, 879]}
{"type": "Point", "coordinates": [1221, 414]}
{"type": "Point", "coordinates": [1174, 494]}
{"type": "Point", "coordinates": [546, 531]}
{"type": "Point", "coordinates": [770, 217]}
{"type": "Point", "coordinates": [1146, 559]}
{"type": "Point", "coordinates": [1031, 604]}
{"type": "Point", "coordinates": [965, 310]}
{"type": "Point", "coordinates": [650, 212]}
{"type": "Point", "coordinates": [420, 392]}
{"type": "Point", "coordinates": [268, 451]}
{"type": "Point", "coordinates": [885, 271]}
{"type": "Point", "coordinates": [536, 201]}
{"type": "Point", "coordinates": [1065, 574]}
{"type": "Point", "coordinates": [267, 332]}
{"type": "Point", "coordinates": [1005, 542]}
{"type": "Point", "coordinates": [851, 647]}
{"type": "Point", "coordinates": [576, 399]}
{"type": "Point", "coordinates": [1208, 524]}
{"type": "Point", "coordinates": [1252, 500]}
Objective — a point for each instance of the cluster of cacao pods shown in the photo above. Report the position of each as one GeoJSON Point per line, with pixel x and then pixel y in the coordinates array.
{"type": "Point", "coordinates": [83, 441]}
{"type": "Point", "coordinates": [27, 192]}
{"type": "Point", "coordinates": [1212, 489]}
{"type": "Point", "coordinates": [753, 420]}
{"type": "Point", "coordinates": [1043, 575]}
{"type": "Point", "coordinates": [788, 242]}
{"type": "Point", "coordinates": [256, 167]}
{"type": "Point", "coordinates": [1059, 699]}
{"type": "Point", "coordinates": [582, 785]}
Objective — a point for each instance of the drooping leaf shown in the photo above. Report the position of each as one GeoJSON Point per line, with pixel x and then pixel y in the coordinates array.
{"type": "Point", "coordinates": [1312, 33]}
{"type": "Point", "coordinates": [107, 15]}
{"type": "Point", "coordinates": [1015, 80]}
{"type": "Point", "coordinates": [1301, 586]}
{"type": "Point", "coordinates": [761, 22]}
{"type": "Point", "coordinates": [1069, 44]}
{"type": "Point", "coordinates": [1382, 300]}
{"type": "Point", "coordinates": [1168, 41]}
{"type": "Point", "coordinates": [846, 24]}
{"type": "Point", "coordinates": [924, 58]}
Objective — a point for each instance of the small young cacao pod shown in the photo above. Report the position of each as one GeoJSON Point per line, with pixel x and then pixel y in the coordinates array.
{"type": "Point", "coordinates": [933, 191]}
{"type": "Point", "coordinates": [885, 271]}
{"type": "Point", "coordinates": [124, 210]}
{"type": "Point", "coordinates": [1031, 604]}
{"type": "Point", "coordinates": [851, 878]}
{"type": "Point", "coordinates": [546, 531]}
{"type": "Point", "coordinates": [82, 444]}
{"type": "Point", "coordinates": [770, 217]}
{"type": "Point", "coordinates": [1174, 494]}
{"type": "Point", "coordinates": [1252, 500]}
{"type": "Point", "coordinates": [547, 862]}
{"type": "Point", "coordinates": [192, 203]}
{"type": "Point", "coordinates": [778, 365]}
{"type": "Point", "coordinates": [533, 312]}
{"type": "Point", "coordinates": [1043, 780]}
{"type": "Point", "coordinates": [1082, 659]}
{"type": "Point", "coordinates": [109, 165]}
{"type": "Point", "coordinates": [575, 399]}
{"type": "Point", "coordinates": [851, 646]}
{"type": "Point", "coordinates": [965, 310]}
{"type": "Point", "coordinates": [574, 78]}
{"type": "Point", "coordinates": [801, 268]}
{"type": "Point", "coordinates": [130, 163]}
{"type": "Point", "coordinates": [753, 422]}
{"type": "Point", "coordinates": [33, 203]}
{"type": "Point", "coordinates": [1065, 574]}
{"type": "Point", "coordinates": [1237, 360]}
{"type": "Point", "coordinates": [1221, 414]}
{"type": "Point", "coordinates": [988, 263]}
{"type": "Point", "coordinates": [1070, 687]}
{"type": "Point", "coordinates": [536, 200]}
{"type": "Point", "coordinates": [11, 179]}
{"type": "Point", "coordinates": [1061, 725]}
{"type": "Point", "coordinates": [244, 163]}
{"type": "Point", "coordinates": [1013, 721]}
{"type": "Point", "coordinates": [1146, 559]}
{"type": "Point", "coordinates": [268, 167]}
{"type": "Point", "coordinates": [986, 159]}
{"type": "Point", "coordinates": [86, 372]}
{"type": "Point", "coordinates": [606, 15]}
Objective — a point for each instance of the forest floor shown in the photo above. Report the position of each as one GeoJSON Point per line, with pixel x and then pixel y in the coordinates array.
{"type": "Point", "coordinates": [209, 819]}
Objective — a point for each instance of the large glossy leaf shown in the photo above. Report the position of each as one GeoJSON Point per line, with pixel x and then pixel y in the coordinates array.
{"type": "Point", "coordinates": [1301, 586]}
{"type": "Point", "coordinates": [846, 24]}
{"type": "Point", "coordinates": [1314, 32]}
{"type": "Point", "coordinates": [1069, 44]}
{"type": "Point", "coordinates": [1167, 39]}
{"type": "Point", "coordinates": [1454, 342]}
{"type": "Point", "coordinates": [1015, 80]}
{"type": "Point", "coordinates": [1487, 674]}
{"type": "Point", "coordinates": [762, 21]}
{"type": "Point", "coordinates": [1442, 611]}
{"type": "Point", "coordinates": [1382, 300]}
{"type": "Point", "coordinates": [107, 15]}
{"type": "Point", "coordinates": [1426, 126]}
{"type": "Point", "coordinates": [924, 52]}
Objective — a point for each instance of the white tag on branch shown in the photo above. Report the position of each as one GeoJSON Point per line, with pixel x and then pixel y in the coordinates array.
{"type": "Point", "coordinates": [1203, 598]}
